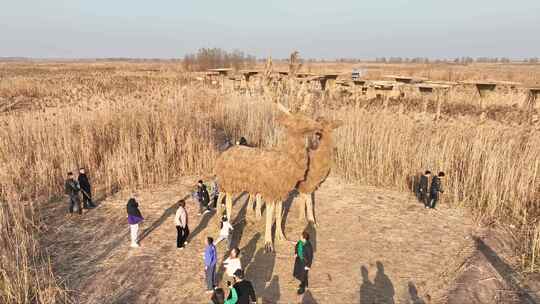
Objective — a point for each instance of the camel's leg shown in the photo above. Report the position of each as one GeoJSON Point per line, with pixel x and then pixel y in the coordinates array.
{"type": "Point", "coordinates": [219, 207]}
{"type": "Point", "coordinates": [258, 206]}
{"type": "Point", "coordinates": [302, 202]}
{"type": "Point", "coordinates": [279, 221]}
{"type": "Point", "coordinates": [269, 223]}
{"type": "Point", "coordinates": [251, 205]}
{"type": "Point", "coordinates": [228, 206]}
{"type": "Point", "coordinates": [310, 209]}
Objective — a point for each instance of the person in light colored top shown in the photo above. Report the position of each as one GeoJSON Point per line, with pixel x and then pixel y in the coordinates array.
{"type": "Point", "coordinates": [232, 263]}
{"type": "Point", "coordinates": [181, 223]}
{"type": "Point", "coordinates": [225, 232]}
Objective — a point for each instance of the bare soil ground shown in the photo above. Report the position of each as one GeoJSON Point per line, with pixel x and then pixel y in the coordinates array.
{"type": "Point", "coordinates": [409, 254]}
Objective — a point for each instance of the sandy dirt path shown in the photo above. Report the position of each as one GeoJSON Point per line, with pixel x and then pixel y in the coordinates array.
{"type": "Point", "coordinates": [371, 246]}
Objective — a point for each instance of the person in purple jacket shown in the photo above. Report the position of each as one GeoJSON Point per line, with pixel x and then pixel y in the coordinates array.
{"type": "Point", "coordinates": [210, 260]}
{"type": "Point", "coordinates": [134, 218]}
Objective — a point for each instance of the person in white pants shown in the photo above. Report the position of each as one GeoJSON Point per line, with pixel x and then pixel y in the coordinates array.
{"type": "Point", "coordinates": [134, 218]}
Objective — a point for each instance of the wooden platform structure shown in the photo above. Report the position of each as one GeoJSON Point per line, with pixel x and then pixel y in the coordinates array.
{"type": "Point", "coordinates": [382, 85]}
{"type": "Point", "coordinates": [428, 88]}
{"type": "Point", "coordinates": [325, 79]}
{"type": "Point", "coordinates": [405, 79]}
{"type": "Point", "coordinates": [221, 71]}
{"type": "Point", "coordinates": [532, 96]}
{"type": "Point", "coordinates": [483, 87]}
{"type": "Point", "coordinates": [248, 73]}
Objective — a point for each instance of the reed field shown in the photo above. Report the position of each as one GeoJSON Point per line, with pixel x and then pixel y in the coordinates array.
{"type": "Point", "coordinates": [133, 125]}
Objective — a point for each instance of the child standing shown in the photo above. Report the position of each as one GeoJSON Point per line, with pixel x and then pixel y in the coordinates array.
{"type": "Point", "coordinates": [225, 232]}
{"type": "Point", "coordinates": [134, 218]}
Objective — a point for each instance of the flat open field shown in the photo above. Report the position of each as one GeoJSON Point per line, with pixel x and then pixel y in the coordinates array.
{"type": "Point", "coordinates": [154, 129]}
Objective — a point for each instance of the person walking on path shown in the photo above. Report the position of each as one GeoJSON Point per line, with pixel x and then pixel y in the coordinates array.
{"type": "Point", "coordinates": [181, 223]}
{"type": "Point", "coordinates": [72, 188]}
{"type": "Point", "coordinates": [86, 189]}
{"type": "Point", "coordinates": [244, 289]}
{"type": "Point", "coordinates": [303, 259]}
{"type": "Point", "coordinates": [233, 263]}
{"type": "Point", "coordinates": [225, 232]}
{"type": "Point", "coordinates": [134, 218]}
{"type": "Point", "coordinates": [436, 189]}
{"type": "Point", "coordinates": [423, 188]}
{"type": "Point", "coordinates": [210, 260]}
{"type": "Point", "coordinates": [203, 197]}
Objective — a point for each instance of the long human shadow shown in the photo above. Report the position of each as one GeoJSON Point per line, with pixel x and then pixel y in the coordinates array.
{"type": "Point", "coordinates": [308, 298]}
{"type": "Point", "coordinates": [413, 294]}
{"type": "Point", "coordinates": [239, 224]}
{"type": "Point", "coordinates": [504, 270]}
{"type": "Point", "coordinates": [260, 270]}
{"type": "Point", "coordinates": [271, 293]}
{"type": "Point", "coordinates": [381, 290]}
{"type": "Point", "coordinates": [164, 216]}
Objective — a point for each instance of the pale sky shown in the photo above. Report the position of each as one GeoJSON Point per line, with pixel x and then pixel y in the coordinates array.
{"type": "Point", "coordinates": [318, 29]}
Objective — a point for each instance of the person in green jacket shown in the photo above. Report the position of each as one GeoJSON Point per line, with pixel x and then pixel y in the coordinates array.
{"type": "Point", "coordinates": [219, 296]}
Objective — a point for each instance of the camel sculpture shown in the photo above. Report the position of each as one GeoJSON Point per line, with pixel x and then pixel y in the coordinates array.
{"type": "Point", "coordinates": [320, 163]}
{"type": "Point", "coordinates": [270, 175]}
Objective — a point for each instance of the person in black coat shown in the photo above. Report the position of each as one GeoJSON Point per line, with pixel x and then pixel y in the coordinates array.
{"type": "Point", "coordinates": [244, 289]}
{"type": "Point", "coordinates": [303, 253]}
{"type": "Point", "coordinates": [423, 188]}
{"type": "Point", "coordinates": [86, 189]}
{"type": "Point", "coordinates": [203, 197]}
{"type": "Point", "coordinates": [71, 188]}
{"type": "Point", "coordinates": [436, 188]}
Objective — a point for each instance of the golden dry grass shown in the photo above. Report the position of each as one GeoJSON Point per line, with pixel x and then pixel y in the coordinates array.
{"type": "Point", "coordinates": [134, 124]}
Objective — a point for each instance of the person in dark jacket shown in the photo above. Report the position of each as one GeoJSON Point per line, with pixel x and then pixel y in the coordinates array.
{"type": "Point", "coordinates": [423, 188]}
{"type": "Point", "coordinates": [134, 218]}
{"type": "Point", "coordinates": [203, 197]}
{"type": "Point", "coordinates": [303, 253]}
{"type": "Point", "coordinates": [71, 188]}
{"type": "Point", "coordinates": [242, 141]}
{"type": "Point", "coordinates": [86, 189]}
{"type": "Point", "coordinates": [244, 289]}
{"type": "Point", "coordinates": [436, 189]}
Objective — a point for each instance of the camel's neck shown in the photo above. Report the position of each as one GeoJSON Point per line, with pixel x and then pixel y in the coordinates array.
{"type": "Point", "coordinates": [295, 147]}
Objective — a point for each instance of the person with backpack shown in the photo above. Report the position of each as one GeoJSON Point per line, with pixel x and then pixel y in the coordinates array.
{"type": "Point", "coordinates": [86, 189]}
{"type": "Point", "coordinates": [181, 223]}
{"type": "Point", "coordinates": [225, 232]}
{"type": "Point", "coordinates": [303, 253]}
{"type": "Point", "coordinates": [71, 189]}
{"type": "Point", "coordinates": [210, 261]}
{"type": "Point", "coordinates": [203, 197]}
{"type": "Point", "coordinates": [134, 218]}
{"type": "Point", "coordinates": [423, 188]}
{"type": "Point", "coordinates": [436, 189]}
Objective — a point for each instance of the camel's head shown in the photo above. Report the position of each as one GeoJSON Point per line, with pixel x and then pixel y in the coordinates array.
{"type": "Point", "coordinates": [299, 124]}
{"type": "Point", "coordinates": [328, 126]}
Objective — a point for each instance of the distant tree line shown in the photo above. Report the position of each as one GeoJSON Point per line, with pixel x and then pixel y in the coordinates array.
{"type": "Point", "coordinates": [211, 58]}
